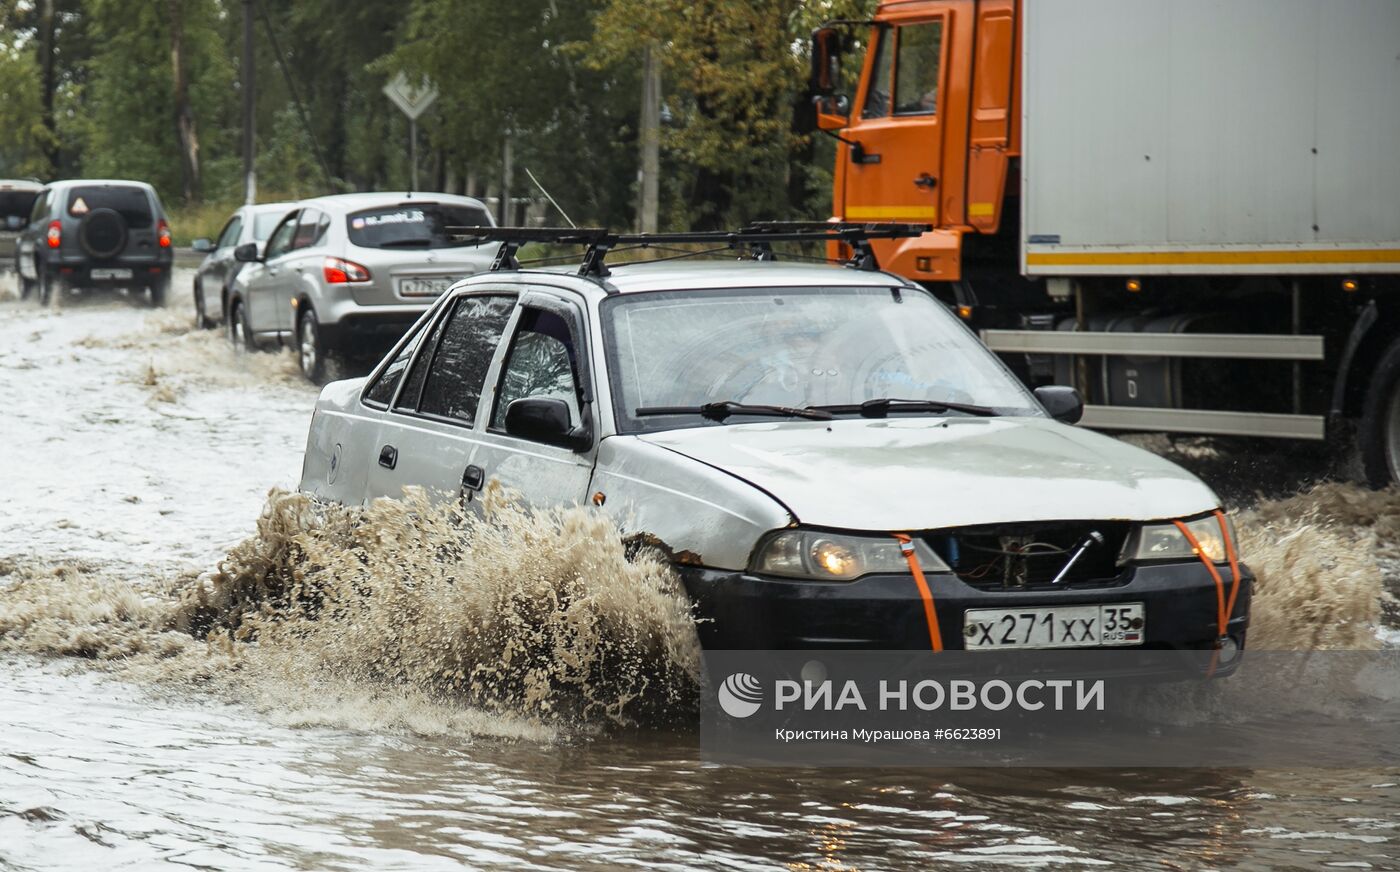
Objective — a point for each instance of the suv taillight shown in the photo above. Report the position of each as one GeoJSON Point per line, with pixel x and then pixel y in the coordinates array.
{"type": "Point", "coordinates": [55, 236]}
{"type": "Point", "coordinates": [163, 234]}
{"type": "Point", "coordinates": [338, 271]}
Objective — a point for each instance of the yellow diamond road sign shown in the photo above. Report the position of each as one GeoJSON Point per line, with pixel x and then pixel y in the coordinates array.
{"type": "Point", "coordinates": [411, 99]}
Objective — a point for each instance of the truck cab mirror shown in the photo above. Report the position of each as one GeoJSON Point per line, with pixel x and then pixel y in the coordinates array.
{"type": "Point", "coordinates": [247, 253]}
{"type": "Point", "coordinates": [826, 61]}
{"type": "Point", "coordinates": [832, 108]}
{"type": "Point", "coordinates": [1063, 403]}
{"type": "Point", "coordinates": [545, 419]}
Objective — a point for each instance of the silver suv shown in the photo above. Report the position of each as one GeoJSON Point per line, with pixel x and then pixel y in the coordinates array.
{"type": "Point", "coordinates": [85, 233]}
{"type": "Point", "coordinates": [346, 275]}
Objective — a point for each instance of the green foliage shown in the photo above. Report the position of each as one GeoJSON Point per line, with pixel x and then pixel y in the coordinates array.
{"type": "Point", "coordinates": [560, 78]}
{"type": "Point", "coordinates": [21, 115]}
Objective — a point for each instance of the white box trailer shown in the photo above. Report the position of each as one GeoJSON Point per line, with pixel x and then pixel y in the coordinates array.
{"type": "Point", "coordinates": [1170, 137]}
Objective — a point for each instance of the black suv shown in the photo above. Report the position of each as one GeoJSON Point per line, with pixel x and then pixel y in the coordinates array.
{"type": "Point", "coordinates": [85, 233]}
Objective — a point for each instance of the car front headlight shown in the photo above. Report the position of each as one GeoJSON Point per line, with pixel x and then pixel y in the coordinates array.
{"type": "Point", "coordinates": [814, 554]}
{"type": "Point", "coordinates": [1166, 542]}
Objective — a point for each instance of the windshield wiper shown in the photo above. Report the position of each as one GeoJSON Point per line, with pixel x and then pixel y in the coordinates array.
{"type": "Point", "coordinates": [881, 408]}
{"type": "Point", "coordinates": [727, 408]}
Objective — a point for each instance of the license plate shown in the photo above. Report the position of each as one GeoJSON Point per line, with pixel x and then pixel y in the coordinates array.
{"type": "Point", "coordinates": [1062, 627]}
{"type": "Point", "coordinates": [111, 273]}
{"type": "Point", "coordinates": [424, 287]}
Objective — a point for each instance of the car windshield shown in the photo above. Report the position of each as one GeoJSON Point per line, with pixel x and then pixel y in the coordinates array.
{"type": "Point", "coordinates": [794, 348]}
{"type": "Point", "coordinates": [131, 202]}
{"type": "Point", "coordinates": [413, 225]}
{"type": "Point", "coordinates": [264, 224]}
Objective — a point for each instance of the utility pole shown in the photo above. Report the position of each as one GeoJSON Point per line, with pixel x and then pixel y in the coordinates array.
{"type": "Point", "coordinates": [650, 129]}
{"type": "Point", "coordinates": [507, 169]}
{"type": "Point", "coordinates": [413, 152]}
{"type": "Point", "coordinates": [250, 172]}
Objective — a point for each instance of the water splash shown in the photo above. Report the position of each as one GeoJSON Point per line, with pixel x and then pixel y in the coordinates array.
{"type": "Point", "coordinates": [394, 610]}
{"type": "Point", "coordinates": [415, 614]}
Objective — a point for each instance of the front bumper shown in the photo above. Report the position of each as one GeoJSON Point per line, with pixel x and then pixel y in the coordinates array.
{"type": "Point", "coordinates": [743, 611]}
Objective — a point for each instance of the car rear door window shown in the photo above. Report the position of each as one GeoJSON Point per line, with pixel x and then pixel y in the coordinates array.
{"type": "Point", "coordinates": [382, 391]}
{"type": "Point", "coordinates": [414, 225]}
{"type": "Point", "coordinates": [458, 371]}
{"type": "Point", "coordinates": [130, 202]}
{"type": "Point", "coordinates": [281, 240]}
{"type": "Point", "coordinates": [413, 388]}
{"type": "Point", "coordinates": [542, 362]}
{"type": "Point", "coordinates": [311, 227]}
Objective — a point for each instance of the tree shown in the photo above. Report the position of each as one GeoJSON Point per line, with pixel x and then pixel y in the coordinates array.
{"type": "Point", "coordinates": [735, 73]}
{"type": "Point", "coordinates": [573, 126]}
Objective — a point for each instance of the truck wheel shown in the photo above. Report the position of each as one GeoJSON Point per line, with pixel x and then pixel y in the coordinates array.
{"type": "Point", "coordinates": [1380, 422]}
{"type": "Point", "coordinates": [311, 351]}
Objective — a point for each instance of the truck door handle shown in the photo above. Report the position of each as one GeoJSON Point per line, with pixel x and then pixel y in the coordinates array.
{"type": "Point", "coordinates": [926, 181]}
{"type": "Point", "coordinates": [388, 457]}
{"type": "Point", "coordinates": [473, 477]}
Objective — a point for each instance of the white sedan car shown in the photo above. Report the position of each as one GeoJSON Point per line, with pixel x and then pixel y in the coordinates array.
{"type": "Point", "coordinates": [829, 455]}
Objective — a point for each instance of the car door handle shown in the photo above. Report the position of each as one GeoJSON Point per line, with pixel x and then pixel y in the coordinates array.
{"type": "Point", "coordinates": [926, 181]}
{"type": "Point", "coordinates": [388, 457]}
{"type": "Point", "coordinates": [473, 477]}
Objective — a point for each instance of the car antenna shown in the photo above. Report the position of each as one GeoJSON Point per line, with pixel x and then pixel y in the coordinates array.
{"type": "Point", "coordinates": [550, 199]}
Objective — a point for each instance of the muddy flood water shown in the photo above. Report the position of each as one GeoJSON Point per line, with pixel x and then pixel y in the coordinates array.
{"type": "Point", "coordinates": [200, 669]}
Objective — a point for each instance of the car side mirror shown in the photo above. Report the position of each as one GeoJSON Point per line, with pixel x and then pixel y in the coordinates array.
{"type": "Point", "coordinates": [202, 245]}
{"type": "Point", "coordinates": [1063, 403]}
{"type": "Point", "coordinates": [545, 419]}
{"type": "Point", "coordinates": [247, 253]}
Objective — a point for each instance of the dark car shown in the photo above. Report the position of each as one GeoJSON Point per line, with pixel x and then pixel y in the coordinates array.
{"type": "Point", "coordinates": [215, 274]}
{"type": "Point", "coordinates": [88, 233]}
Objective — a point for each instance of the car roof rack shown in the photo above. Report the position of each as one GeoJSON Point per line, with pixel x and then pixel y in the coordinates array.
{"type": "Point", "coordinates": [757, 237]}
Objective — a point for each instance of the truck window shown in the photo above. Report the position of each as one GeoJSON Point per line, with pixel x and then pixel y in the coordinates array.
{"type": "Point", "coordinates": [877, 98]}
{"type": "Point", "coordinates": [916, 68]}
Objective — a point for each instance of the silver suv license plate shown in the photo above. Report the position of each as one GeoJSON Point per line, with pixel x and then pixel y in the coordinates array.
{"type": "Point", "coordinates": [1062, 627]}
{"type": "Point", "coordinates": [424, 287]}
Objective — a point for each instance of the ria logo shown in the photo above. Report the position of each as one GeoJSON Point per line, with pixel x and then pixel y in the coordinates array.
{"type": "Point", "coordinates": [740, 695]}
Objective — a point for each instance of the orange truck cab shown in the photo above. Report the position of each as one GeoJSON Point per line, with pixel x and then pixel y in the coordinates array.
{"type": "Point", "coordinates": [931, 133]}
{"type": "Point", "coordinates": [1176, 208]}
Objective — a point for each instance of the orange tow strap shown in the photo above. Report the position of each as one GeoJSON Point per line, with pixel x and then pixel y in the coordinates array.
{"type": "Point", "coordinates": [906, 545]}
{"type": "Point", "coordinates": [1224, 606]}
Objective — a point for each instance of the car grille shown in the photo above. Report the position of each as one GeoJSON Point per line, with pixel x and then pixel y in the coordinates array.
{"type": "Point", "coordinates": [1019, 557]}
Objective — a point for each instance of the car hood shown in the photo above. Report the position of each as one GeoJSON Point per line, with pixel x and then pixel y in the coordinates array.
{"type": "Point", "coordinates": [927, 473]}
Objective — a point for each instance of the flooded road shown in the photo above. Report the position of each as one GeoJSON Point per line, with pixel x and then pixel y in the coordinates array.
{"type": "Point", "coordinates": [139, 455]}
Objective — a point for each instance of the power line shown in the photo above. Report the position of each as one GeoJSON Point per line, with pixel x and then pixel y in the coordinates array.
{"type": "Point", "coordinates": [296, 97]}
